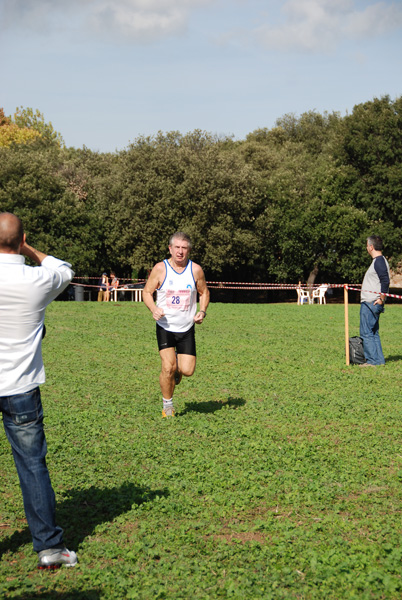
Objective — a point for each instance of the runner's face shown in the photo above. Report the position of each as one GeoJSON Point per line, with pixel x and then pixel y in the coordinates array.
{"type": "Point", "coordinates": [179, 251]}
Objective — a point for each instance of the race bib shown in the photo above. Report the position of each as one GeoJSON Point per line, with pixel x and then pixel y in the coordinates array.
{"type": "Point", "coordinates": [178, 299]}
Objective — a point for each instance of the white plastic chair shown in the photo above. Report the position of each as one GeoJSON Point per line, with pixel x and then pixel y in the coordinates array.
{"type": "Point", "coordinates": [319, 294]}
{"type": "Point", "coordinates": [301, 295]}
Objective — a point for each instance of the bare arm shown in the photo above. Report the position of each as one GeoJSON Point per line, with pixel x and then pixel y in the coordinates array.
{"type": "Point", "coordinates": [33, 254]}
{"type": "Point", "coordinates": [154, 281]}
{"type": "Point", "coordinates": [203, 291]}
{"type": "Point", "coordinates": [60, 272]}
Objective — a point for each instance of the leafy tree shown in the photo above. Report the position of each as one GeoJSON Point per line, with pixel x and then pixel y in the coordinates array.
{"type": "Point", "coordinates": [11, 133]}
{"type": "Point", "coordinates": [313, 130]}
{"type": "Point", "coordinates": [370, 145]}
{"type": "Point", "coordinates": [191, 183]}
{"type": "Point", "coordinates": [56, 215]}
{"type": "Point", "coordinates": [27, 118]}
{"type": "Point", "coordinates": [293, 202]}
{"type": "Point", "coordinates": [305, 202]}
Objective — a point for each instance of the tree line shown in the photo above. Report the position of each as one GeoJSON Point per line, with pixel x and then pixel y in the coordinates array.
{"type": "Point", "coordinates": [294, 202]}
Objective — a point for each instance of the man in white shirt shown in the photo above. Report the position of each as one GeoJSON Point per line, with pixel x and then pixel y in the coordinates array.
{"type": "Point", "coordinates": [24, 294]}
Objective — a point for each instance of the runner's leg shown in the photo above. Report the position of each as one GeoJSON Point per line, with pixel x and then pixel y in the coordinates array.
{"type": "Point", "coordinates": [166, 377]}
{"type": "Point", "coordinates": [186, 364]}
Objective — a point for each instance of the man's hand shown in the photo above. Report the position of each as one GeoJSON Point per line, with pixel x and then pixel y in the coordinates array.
{"type": "Point", "coordinates": [33, 254]}
{"type": "Point", "coordinates": [157, 313]}
{"type": "Point", "coordinates": [199, 317]}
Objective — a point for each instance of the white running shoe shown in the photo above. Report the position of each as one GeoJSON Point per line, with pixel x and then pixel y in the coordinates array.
{"type": "Point", "coordinates": [55, 557]}
{"type": "Point", "coordinates": [168, 411]}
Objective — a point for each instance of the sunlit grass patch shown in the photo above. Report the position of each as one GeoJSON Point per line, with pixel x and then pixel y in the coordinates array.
{"type": "Point", "coordinates": [280, 477]}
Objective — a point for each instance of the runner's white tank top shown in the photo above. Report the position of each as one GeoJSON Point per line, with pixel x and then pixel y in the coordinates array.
{"type": "Point", "coordinates": [178, 297]}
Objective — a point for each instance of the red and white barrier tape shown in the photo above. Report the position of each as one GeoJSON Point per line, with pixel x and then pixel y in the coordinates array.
{"type": "Point", "coordinates": [371, 292]}
{"type": "Point", "coordinates": [120, 278]}
{"type": "Point", "coordinates": [283, 286]}
{"type": "Point", "coordinates": [290, 286]}
{"type": "Point", "coordinates": [88, 285]}
{"type": "Point", "coordinates": [238, 285]}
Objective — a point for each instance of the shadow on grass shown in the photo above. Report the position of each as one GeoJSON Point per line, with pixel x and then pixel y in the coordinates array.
{"type": "Point", "coordinates": [211, 406]}
{"type": "Point", "coordinates": [83, 510]}
{"type": "Point", "coordinates": [395, 358]}
{"type": "Point", "coordinates": [73, 595]}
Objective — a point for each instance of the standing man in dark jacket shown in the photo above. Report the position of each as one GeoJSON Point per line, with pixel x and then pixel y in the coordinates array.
{"type": "Point", "coordinates": [374, 287]}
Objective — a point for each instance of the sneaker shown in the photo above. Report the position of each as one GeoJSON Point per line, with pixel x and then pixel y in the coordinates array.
{"type": "Point", "coordinates": [168, 411]}
{"type": "Point", "coordinates": [55, 557]}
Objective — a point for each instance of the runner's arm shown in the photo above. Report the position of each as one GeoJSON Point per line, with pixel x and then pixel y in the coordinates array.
{"type": "Point", "coordinates": [203, 292]}
{"type": "Point", "coordinates": [154, 281]}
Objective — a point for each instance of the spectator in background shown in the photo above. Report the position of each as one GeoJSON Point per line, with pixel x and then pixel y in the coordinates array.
{"type": "Point", "coordinates": [374, 287]}
{"type": "Point", "coordinates": [114, 284]}
{"type": "Point", "coordinates": [103, 284]}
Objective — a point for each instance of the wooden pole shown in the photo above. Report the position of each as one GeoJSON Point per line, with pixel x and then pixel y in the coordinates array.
{"type": "Point", "coordinates": [346, 301]}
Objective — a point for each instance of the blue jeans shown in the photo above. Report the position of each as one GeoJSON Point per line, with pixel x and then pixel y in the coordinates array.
{"type": "Point", "coordinates": [23, 424]}
{"type": "Point", "coordinates": [369, 332]}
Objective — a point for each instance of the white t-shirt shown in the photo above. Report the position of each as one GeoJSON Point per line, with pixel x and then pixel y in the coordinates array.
{"type": "Point", "coordinates": [24, 294]}
{"type": "Point", "coordinates": [178, 297]}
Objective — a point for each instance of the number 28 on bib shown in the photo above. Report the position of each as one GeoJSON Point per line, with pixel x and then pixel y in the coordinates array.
{"type": "Point", "coordinates": [178, 299]}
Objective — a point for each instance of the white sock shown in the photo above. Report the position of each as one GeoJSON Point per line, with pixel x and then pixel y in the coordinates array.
{"type": "Point", "coordinates": [167, 403]}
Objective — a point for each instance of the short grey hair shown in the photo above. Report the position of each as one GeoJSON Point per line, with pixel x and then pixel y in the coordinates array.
{"type": "Point", "coordinates": [180, 235]}
{"type": "Point", "coordinates": [376, 242]}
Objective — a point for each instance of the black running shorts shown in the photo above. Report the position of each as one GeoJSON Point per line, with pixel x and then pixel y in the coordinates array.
{"type": "Point", "coordinates": [184, 342]}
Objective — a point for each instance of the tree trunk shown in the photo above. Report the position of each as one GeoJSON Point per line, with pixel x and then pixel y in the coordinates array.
{"type": "Point", "coordinates": [311, 278]}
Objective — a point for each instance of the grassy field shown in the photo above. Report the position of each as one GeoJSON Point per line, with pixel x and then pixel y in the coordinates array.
{"type": "Point", "coordinates": [280, 477]}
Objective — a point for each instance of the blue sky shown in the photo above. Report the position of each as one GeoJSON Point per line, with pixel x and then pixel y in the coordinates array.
{"type": "Point", "coordinates": [107, 71]}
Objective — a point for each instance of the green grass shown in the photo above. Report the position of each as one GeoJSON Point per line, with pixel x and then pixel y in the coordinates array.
{"type": "Point", "coordinates": [279, 478]}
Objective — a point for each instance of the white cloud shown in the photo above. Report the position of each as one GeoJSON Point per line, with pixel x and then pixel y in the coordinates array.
{"type": "Point", "coordinates": [309, 25]}
{"type": "Point", "coordinates": [139, 19]}
{"type": "Point", "coordinates": [377, 19]}
{"type": "Point", "coordinates": [132, 20]}
{"type": "Point", "coordinates": [319, 25]}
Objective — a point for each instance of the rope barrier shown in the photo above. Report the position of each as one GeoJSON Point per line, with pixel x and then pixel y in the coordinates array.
{"type": "Point", "coordinates": [287, 286]}
{"type": "Point", "coordinates": [371, 292]}
{"type": "Point", "coordinates": [240, 285]}
{"type": "Point", "coordinates": [88, 285]}
{"type": "Point", "coordinates": [235, 285]}
{"type": "Point", "coordinates": [120, 278]}
{"type": "Point", "coordinates": [223, 285]}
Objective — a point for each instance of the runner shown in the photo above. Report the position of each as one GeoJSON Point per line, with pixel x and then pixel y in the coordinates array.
{"type": "Point", "coordinates": [176, 281]}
